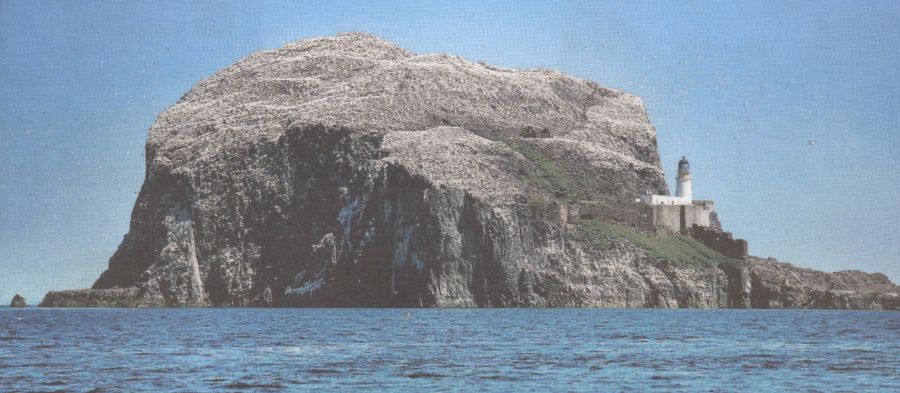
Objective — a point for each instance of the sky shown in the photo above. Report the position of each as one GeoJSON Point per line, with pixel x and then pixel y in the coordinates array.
{"type": "Point", "coordinates": [788, 111]}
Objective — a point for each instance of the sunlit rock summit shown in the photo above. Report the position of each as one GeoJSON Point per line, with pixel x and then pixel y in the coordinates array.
{"type": "Point", "coordinates": [346, 171]}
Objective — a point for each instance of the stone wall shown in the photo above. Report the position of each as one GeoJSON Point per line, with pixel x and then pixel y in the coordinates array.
{"type": "Point", "coordinates": [659, 219]}
{"type": "Point", "coordinates": [722, 242]}
{"type": "Point", "coordinates": [633, 215]}
{"type": "Point", "coordinates": [698, 221]}
{"type": "Point", "coordinates": [698, 213]}
{"type": "Point", "coordinates": [680, 218]}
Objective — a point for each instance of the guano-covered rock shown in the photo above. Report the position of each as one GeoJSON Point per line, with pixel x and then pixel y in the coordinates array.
{"type": "Point", "coordinates": [345, 171]}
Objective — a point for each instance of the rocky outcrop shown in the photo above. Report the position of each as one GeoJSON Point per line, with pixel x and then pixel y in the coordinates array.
{"type": "Point", "coordinates": [781, 285]}
{"type": "Point", "coordinates": [120, 297]}
{"type": "Point", "coordinates": [722, 242]}
{"type": "Point", "coordinates": [18, 301]}
{"type": "Point", "coordinates": [345, 171]}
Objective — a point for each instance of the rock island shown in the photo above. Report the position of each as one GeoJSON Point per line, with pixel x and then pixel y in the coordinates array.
{"type": "Point", "coordinates": [346, 171]}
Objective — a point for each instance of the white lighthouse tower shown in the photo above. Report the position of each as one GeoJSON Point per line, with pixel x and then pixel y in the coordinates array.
{"type": "Point", "coordinates": [683, 187]}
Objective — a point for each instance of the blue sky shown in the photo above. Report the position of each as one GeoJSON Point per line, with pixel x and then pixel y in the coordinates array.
{"type": "Point", "coordinates": [741, 89]}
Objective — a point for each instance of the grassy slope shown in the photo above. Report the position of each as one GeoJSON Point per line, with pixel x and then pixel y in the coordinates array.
{"type": "Point", "coordinates": [563, 186]}
{"type": "Point", "coordinates": [681, 250]}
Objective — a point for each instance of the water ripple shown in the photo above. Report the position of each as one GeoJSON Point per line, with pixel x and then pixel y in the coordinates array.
{"type": "Point", "coordinates": [227, 350]}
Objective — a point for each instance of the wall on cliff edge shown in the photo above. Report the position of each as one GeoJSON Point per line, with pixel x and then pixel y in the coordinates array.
{"type": "Point", "coordinates": [722, 242]}
{"type": "Point", "coordinates": [681, 218]}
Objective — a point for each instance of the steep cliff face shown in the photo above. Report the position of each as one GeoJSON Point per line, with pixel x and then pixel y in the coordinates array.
{"type": "Point", "coordinates": [344, 171]}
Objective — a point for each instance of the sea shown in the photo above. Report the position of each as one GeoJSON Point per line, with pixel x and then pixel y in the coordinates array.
{"type": "Point", "coordinates": [426, 350]}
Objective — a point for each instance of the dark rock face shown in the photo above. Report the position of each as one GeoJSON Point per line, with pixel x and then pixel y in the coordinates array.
{"type": "Point", "coordinates": [722, 242]}
{"type": "Point", "coordinates": [344, 171]}
{"type": "Point", "coordinates": [98, 298]}
{"type": "Point", "coordinates": [781, 285]}
{"type": "Point", "coordinates": [18, 301]}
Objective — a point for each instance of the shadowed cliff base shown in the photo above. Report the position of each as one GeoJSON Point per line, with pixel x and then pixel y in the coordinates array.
{"type": "Point", "coordinates": [345, 171]}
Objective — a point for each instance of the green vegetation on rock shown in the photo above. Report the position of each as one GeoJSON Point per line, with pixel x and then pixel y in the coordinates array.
{"type": "Point", "coordinates": [552, 177]}
{"type": "Point", "coordinates": [681, 250]}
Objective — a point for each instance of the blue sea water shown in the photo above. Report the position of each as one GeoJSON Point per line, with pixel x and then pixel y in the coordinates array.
{"type": "Point", "coordinates": [200, 350]}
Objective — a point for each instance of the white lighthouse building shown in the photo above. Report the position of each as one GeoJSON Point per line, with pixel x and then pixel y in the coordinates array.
{"type": "Point", "coordinates": [681, 212]}
{"type": "Point", "coordinates": [683, 187]}
{"type": "Point", "coordinates": [683, 193]}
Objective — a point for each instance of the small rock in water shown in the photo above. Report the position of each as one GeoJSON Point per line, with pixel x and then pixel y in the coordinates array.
{"type": "Point", "coordinates": [18, 301]}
